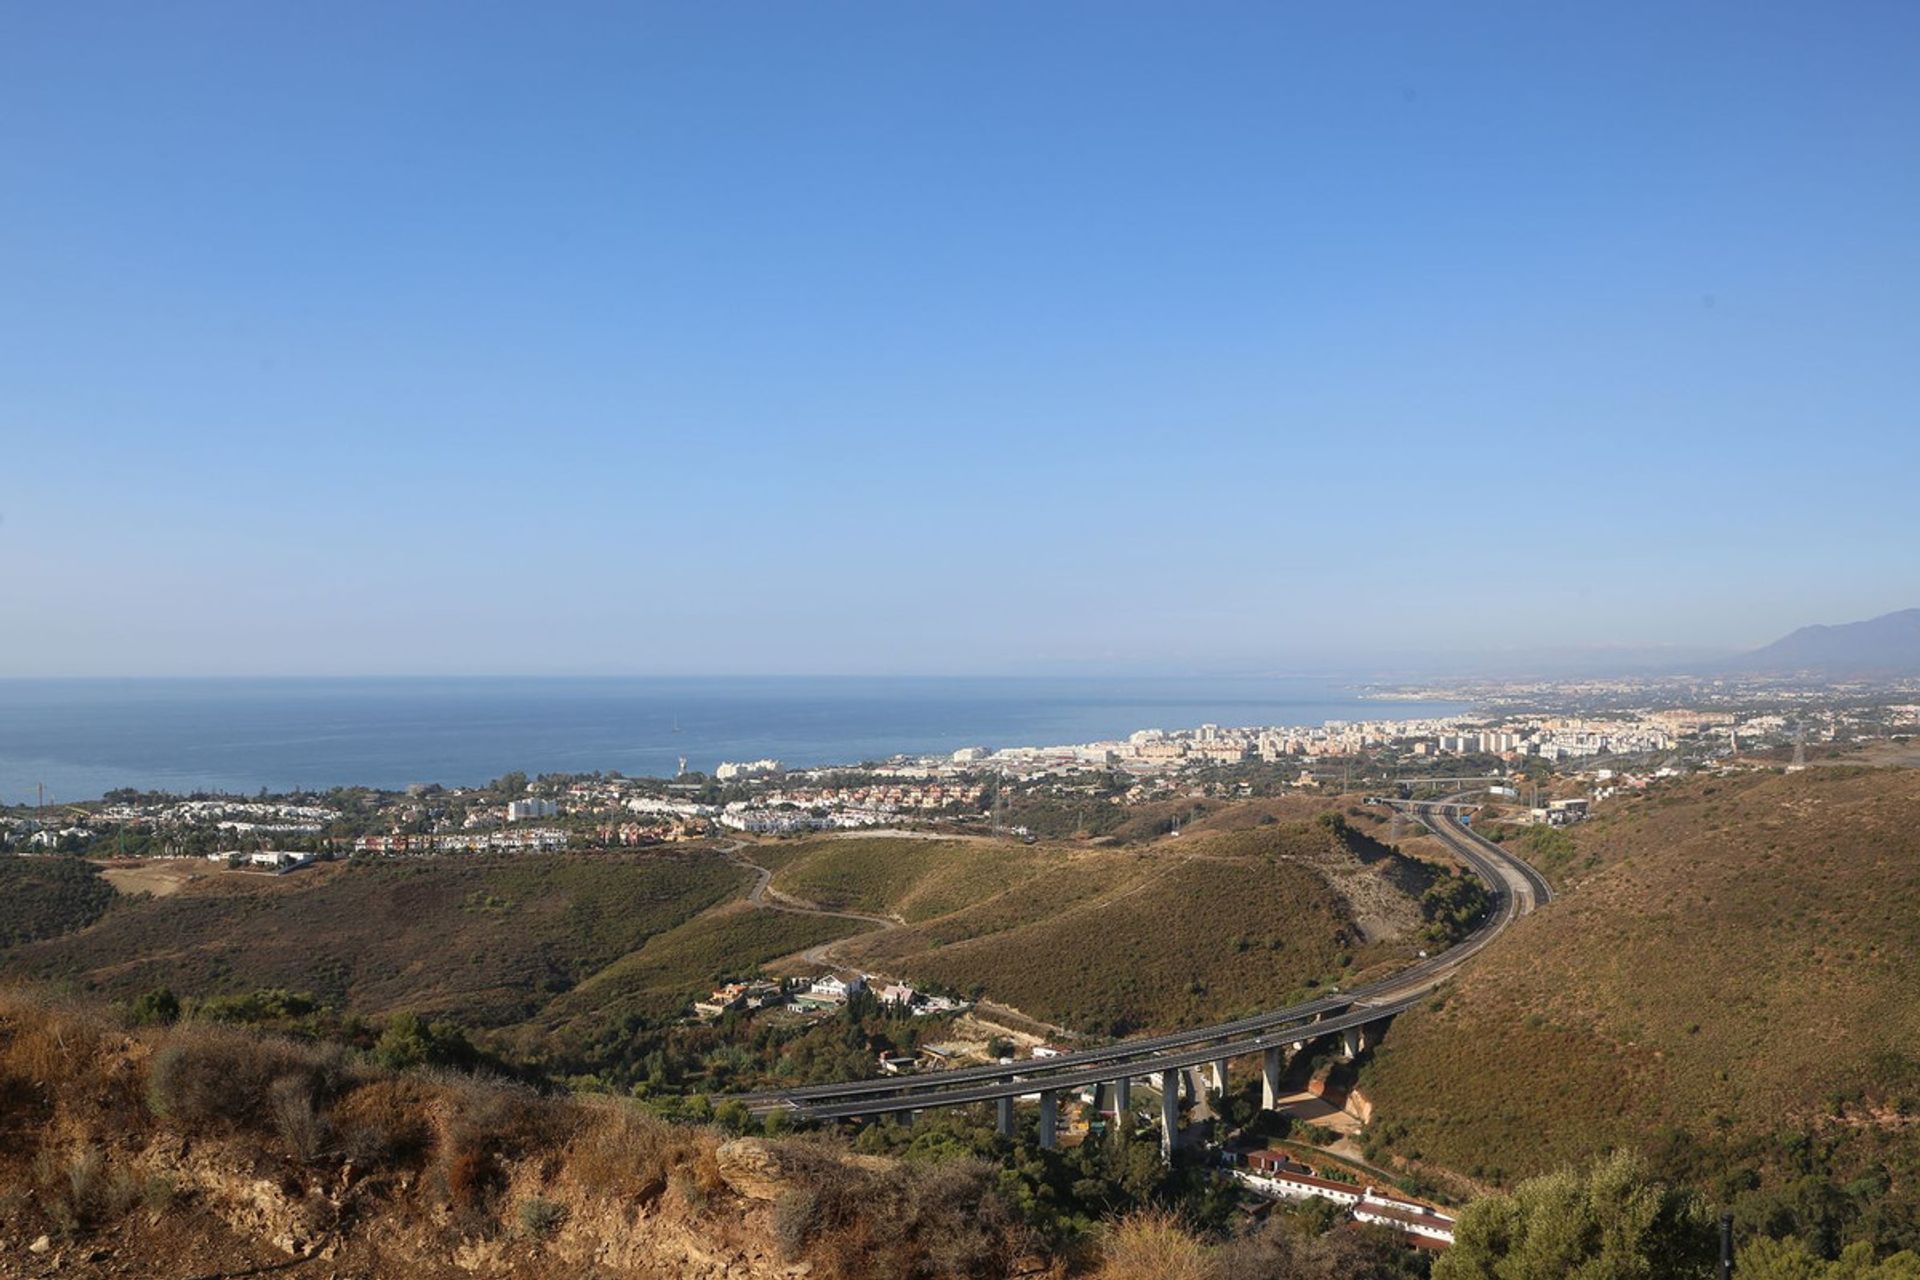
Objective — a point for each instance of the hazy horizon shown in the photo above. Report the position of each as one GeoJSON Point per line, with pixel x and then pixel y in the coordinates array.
{"type": "Point", "coordinates": [1597, 661]}
{"type": "Point", "coordinates": [438, 339]}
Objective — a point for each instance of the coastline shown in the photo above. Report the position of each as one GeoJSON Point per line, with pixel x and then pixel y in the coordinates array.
{"type": "Point", "coordinates": [82, 738]}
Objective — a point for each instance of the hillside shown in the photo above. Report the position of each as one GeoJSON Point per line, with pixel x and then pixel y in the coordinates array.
{"type": "Point", "coordinates": [46, 897]}
{"type": "Point", "coordinates": [202, 1151]}
{"type": "Point", "coordinates": [581, 965]}
{"type": "Point", "coordinates": [1112, 941]}
{"type": "Point", "coordinates": [1729, 983]}
{"type": "Point", "coordinates": [486, 941]}
{"type": "Point", "coordinates": [912, 879]}
{"type": "Point", "coordinates": [1887, 645]}
{"type": "Point", "coordinates": [652, 983]}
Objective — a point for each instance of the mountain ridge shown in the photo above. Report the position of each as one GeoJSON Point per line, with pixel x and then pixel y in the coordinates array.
{"type": "Point", "coordinates": [1888, 644]}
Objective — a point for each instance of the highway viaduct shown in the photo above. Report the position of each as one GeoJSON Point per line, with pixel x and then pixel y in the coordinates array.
{"type": "Point", "coordinates": [1359, 1017]}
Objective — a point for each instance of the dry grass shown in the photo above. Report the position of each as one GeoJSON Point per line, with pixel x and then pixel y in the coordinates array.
{"type": "Point", "coordinates": [1155, 1246]}
{"type": "Point", "coordinates": [161, 877]}
{"type": "Point", "coordinates": [911, 879]}
{"type": "Point", "coordinates": [626, 1154]}
{"type": "Point", "coordinates": [100, 1119]}
{"type": "Point", "coordinates": [1734, 959]}
{"type": "Point", "coordinates": [1199, 928]}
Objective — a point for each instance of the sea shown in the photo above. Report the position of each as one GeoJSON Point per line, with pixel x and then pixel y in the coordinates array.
{"type": "Point", "coordinates": [76, 739]}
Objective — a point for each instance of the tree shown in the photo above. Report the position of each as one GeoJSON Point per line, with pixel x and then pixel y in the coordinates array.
{"type": "Point", "coordinates": [1792, 1260]}
{"type": "Point", "coordinates": [159, 1006]}
{"type": "Point", "coordinates": [411, 1041]}
{"type": "Point", "coordinates": [1612, 1221]}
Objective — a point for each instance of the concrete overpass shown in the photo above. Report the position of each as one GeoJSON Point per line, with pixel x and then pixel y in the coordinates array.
{"type": "Point", "coordinates": [1359, 1017]}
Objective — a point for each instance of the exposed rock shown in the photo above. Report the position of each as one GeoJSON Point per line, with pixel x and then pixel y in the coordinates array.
{"type": "Point", "coordinates": [759, 1170]}
{"type": "Point", "coordinates": [755, 1169]}
{"type": "Point", "coordinates": [41, 1245]}
{"type": "Point", "coordinates": [295, 1223]}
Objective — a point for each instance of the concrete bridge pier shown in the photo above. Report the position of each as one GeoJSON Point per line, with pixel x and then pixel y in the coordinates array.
{"type": "Point", "coordinates": [1049, 1119]}
{"type": "Point", "coordinates": [1169, 1123]}
{"type": "Point", "coordinates": [1353, 1042]}
{"type": "Point", "coordinates": [1122, 1096]}
{"type": "Point", "coordinates": [1003, 1116]}
{"type": "Point", "coordinates": [1273, 1065]}
{"type": "Point", "coordinates": [1220, 1076]}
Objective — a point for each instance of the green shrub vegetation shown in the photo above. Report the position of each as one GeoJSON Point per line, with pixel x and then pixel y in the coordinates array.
{"type": "Point", "coordinates": [386, 936]}
{"type": "Point", "coordinates": [47, 897]}
{"type": "Point", "coordinates": [1612, 1219]}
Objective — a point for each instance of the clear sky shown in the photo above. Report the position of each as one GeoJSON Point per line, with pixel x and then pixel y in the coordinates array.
{"type": "Point", "coordinates": [962, 337]}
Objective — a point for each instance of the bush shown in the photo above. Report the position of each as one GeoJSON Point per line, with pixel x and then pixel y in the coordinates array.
{"type": "Point", "coordinates": [943, 1219]}
{"type": "Point", "coordinates": [626, 1153]}
{"type": "Point", "coordinates": [212, 1077]}
{"type": "Point", "coordinates": [1154, 1246]}
{"type": "Point", "coordinates": [290, 1104]}
{"type": "Point", "coordinates": [411, 1041]}
{"type": "Point", "coordinates": [493, 1124]}
{"type": "Point", "coordinates": [159, 1007]}
{"type": "Point", "coordinates": [794, 1214]}
{"type": "Point", "coordinates": [540, 1219]}
{"type": "Point", "coordinates": [158, 1194]}
{"type": "Point", "coordinates": [383, 1123]}
{"type": "Point", "coordinates": [78, 1191]}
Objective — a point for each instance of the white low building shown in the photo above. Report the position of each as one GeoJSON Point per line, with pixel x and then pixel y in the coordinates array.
{"type": "Point", "coordinates": [732, 771]}
{"type": "Point", "coordinates": [1404, 1215]}
{"type": "Point", "coordinates": [1362, 1203]}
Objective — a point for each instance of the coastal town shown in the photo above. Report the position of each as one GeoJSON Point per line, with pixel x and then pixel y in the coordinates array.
{"type": "Point", "coordinates": [1562, 759]}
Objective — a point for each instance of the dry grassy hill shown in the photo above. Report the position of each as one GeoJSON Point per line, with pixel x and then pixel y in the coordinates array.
{"type": "Point", "coordinates": [1117, 940]}
{"type": "Point", "coordinates": [1731, 981]}
{"type": "Point", "coordinates": [487, 941]}
{"type": "Point", "coordinates": [911, 879]}
{"type": "Point", "coordinates": [563, 960]}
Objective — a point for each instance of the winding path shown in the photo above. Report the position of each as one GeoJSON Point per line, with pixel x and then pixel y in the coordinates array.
{"type": "Point", "coordinates": [768, 898]}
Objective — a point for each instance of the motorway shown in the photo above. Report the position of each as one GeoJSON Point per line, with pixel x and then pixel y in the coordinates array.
{"type": "Point", "coordinates": [1517, 889]}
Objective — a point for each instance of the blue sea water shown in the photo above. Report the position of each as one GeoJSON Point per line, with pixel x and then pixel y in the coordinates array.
{"type": "Point", "coordinates": [81, 738]}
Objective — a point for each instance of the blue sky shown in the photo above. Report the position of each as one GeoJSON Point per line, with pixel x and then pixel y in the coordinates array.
{"type": "Point", "coordinates": [468, 338]}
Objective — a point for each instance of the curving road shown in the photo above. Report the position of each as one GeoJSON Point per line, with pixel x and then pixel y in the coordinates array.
{"type": "Point", "coordinates": [1517, 889]}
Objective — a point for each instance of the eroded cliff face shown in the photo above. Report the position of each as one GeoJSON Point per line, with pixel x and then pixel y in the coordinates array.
{"type": "Point", "coordinates": [207, 1151]}
{"type": "Point", "coordinates": [207, 1208]}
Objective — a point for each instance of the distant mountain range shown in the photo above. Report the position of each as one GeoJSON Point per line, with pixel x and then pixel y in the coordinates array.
{"type": "Point", "coordinates": [1887, 645]}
